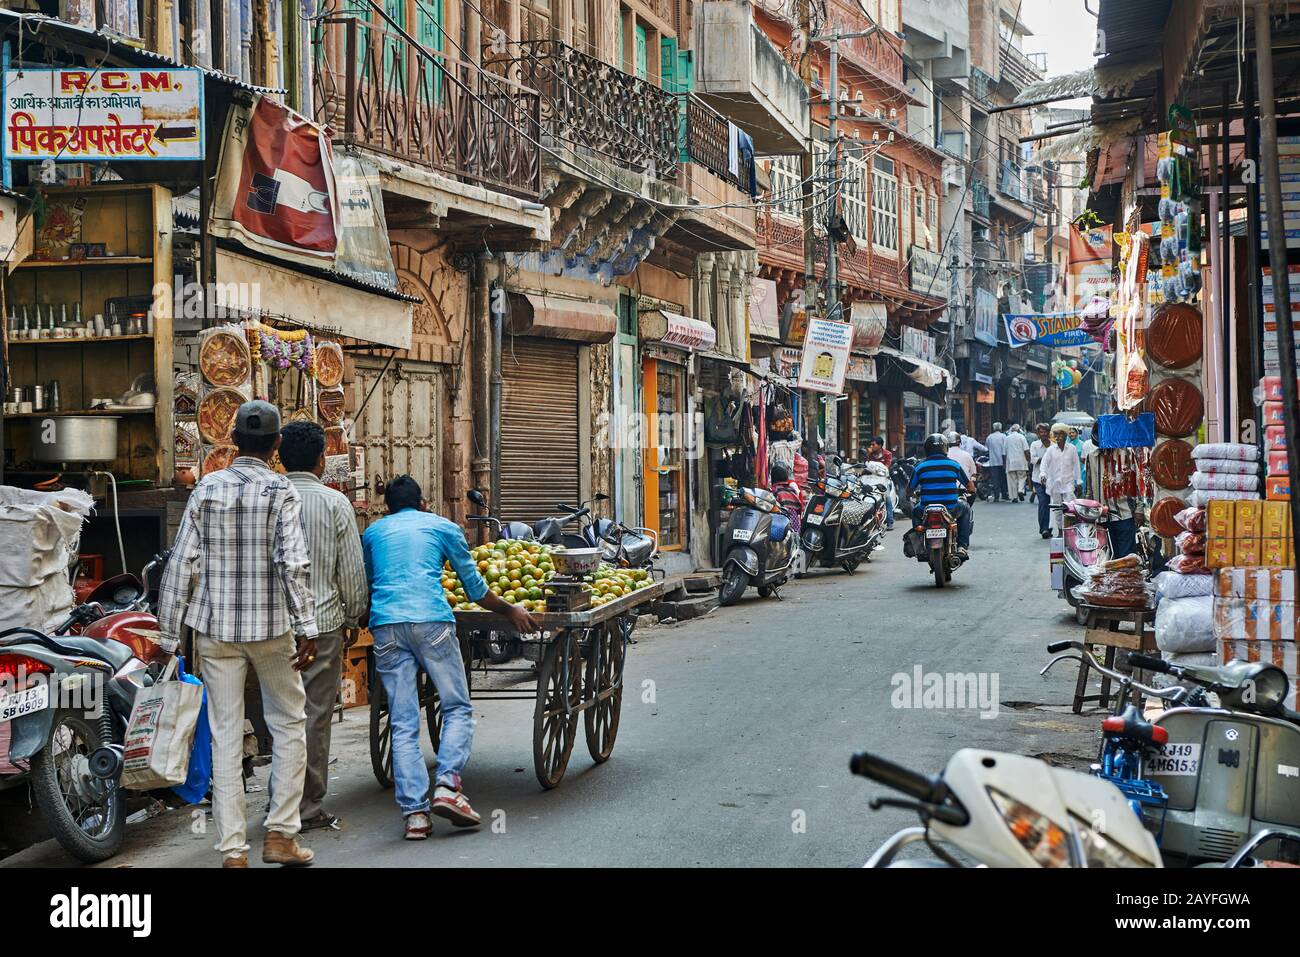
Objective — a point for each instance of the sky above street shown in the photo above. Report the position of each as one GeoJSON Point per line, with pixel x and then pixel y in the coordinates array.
{"type": "Point", "coordinates": [1063, 29]}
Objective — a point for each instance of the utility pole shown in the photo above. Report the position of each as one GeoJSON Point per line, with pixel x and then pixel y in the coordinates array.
{"type": "Point", "coordinates": [833, 173]}
{"type": "Point", "coordinates": [806, 162]}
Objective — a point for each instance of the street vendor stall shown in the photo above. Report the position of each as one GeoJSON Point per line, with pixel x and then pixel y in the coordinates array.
{"type": "Point", "coordinates": [590, 613]}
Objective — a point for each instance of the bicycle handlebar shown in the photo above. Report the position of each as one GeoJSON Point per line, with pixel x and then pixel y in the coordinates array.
{"type": "Point", "coordinates": [886, 772]}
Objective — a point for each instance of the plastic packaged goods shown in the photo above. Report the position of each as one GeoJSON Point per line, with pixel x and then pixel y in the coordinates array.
{"type": "Point", "coordinates": [1269, 584]}
{"type": "Point", "coordinates": [1270, 389]}
{"type": "Point", "coordinates": [1225, 466]}
{"type": "Point", "coordinates": [1278, 464]}
{"type": "Point", "coordinates": [1202, 497]}
{"type": "Point", "coordinates": [1226, 450]}
{"type": "Point", "coordinates": [1178, 407]}
{"type": "Point", "coordinates": [1225, 482]}
{"type": "Point", "coordinates": [1172, 464]}
{"type": "Point", "coordinates": [1185, 624]}
{"type": "Point", "coordinates": [1275, 438]}
{"type": "Point", "coordinates": [1254, 619]}
{"type": "Point", "coordinates": [1188, 564]}
{"type": "Point", "coordinates": [1175, 337]}
{"type": "Point", "coordinates": [1277, 487]}
{"type": "Point", "coordinates": [1121, 432]}
{"type": "Point", "coordinates": [1117, 584]}
{"type": "Point", "coordinates": [1190, 543]}
{"type": "Point", "coordinates": [1192, 519]}
{"type": "Point", "coordinates": [1176, 585]}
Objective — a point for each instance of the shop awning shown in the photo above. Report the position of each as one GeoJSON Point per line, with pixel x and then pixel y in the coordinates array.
{"type": "Point", "coordinates": [678, 331]}
{"type": "Point", "coordinates": [554, 317]}
{"type": "Point", "coordinates": [925, 374]}
{"type": "Point", "coordinates": [312, 300]}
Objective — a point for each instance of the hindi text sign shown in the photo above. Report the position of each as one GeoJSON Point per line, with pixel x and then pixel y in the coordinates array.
{"type": "Point", "coordinates": [825, 355]}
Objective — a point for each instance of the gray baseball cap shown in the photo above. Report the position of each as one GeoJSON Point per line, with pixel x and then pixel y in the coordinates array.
{"type": "Point", "coordinates": [257, 418]}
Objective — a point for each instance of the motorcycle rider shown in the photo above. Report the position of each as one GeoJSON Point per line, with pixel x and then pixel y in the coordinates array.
{"type": "Point", "coordinates": [939, 480]}
{"type": "Point", "coordinates": [960, 455]}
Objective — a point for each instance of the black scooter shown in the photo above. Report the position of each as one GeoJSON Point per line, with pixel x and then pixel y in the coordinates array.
{"type": "Point", "coordinates": [760, 547]}
{"type": "Point", "coordinates": [843, 522]}
{"type": "Point", "coordinates": [901, 474]}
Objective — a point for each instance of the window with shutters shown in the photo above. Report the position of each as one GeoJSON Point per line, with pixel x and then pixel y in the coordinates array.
{"type": "Point", "coordinates": [884, 205]}
{"type": "Point", "coordinates": [855, 198]}
{"type": "Point", "coordinates": [785, 174]}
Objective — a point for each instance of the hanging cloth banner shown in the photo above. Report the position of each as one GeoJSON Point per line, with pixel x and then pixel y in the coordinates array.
{"type": "Point", "coordinates": [275, 188]}
{"type": "Point", "coordinates": [1056, 330]}
{"type": "Point", "coordinates": [1089, 268]}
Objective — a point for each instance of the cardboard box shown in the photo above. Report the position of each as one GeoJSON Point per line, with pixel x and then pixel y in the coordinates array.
{"type": "Point", "coordinates": [1248, 524]}
{"type": "Point", "coordinates": [1246, 552]}
{"type": "Point", "coordinates": [1256, 619]}
{"type": "Point", "coordinates": [1280, 653]}
{"type": "Point", "coordinates": [1270, 584]}
{"type": "Point", "coordinates": [1277, 488]}
{"type": "Point", "coordinates": [1275, 438]}
{"type": "Point", "coordinates": [355, 686]}
{"type": "Point", "coordinates": [1276, 520]}
{"type": "Point", "coordinates": [1274, 552]}
{"type": "Point", "coordinates": [1273, 414]}
{"type": "Point", "coordinates": [1220, 519]}
{"type": "Point", "coordinates": [1219, 552]}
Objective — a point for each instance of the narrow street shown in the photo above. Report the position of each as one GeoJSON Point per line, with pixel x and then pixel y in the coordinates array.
{"type": "Point", "coordinates": [755, 712]}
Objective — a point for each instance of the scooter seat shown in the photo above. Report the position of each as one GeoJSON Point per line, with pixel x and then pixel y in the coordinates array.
{"type": "Point", "coordinates": [1130, 724]}
{"type": "Point", "coordinates": [780, 527]}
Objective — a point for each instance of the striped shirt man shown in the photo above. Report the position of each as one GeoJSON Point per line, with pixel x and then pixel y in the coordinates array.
{"type": "Point", "coordinates": [239, 569]}
{"type": "Point", "coordinates": [938, 480]}
{"type": "Point", "coordinates": [338, 572]}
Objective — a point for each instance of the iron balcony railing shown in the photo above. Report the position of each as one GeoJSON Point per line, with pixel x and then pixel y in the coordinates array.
{"type": "Point", "coordinates": [598, 109]}
{"type": "Point", "coordinates": [705, 138]}
{"type": "Point", "coordinates": [981, 86]}
{"type": "Point", "coordinates": [375, 89]}
{"type": "Point", "coordinates": [1011, 181]}
{"type": "Point", "coordinates": [979, 197]}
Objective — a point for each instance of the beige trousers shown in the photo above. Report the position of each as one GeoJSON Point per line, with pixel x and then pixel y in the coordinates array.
{"type": "Point", "coordinates": [224, 667]}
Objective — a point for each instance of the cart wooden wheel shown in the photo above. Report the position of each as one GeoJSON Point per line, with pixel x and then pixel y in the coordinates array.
{"type": "Point", "coordinates": [560, 678]}
{"type": "Point", "coordinates": [604, 689]}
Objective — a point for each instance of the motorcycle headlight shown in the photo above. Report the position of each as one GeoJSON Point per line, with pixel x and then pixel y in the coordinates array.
{"type": "Point", "coordinates": [1100, 851]}
{"type": "Point", "coordinates": [1047, 843]}
{"type": "Point", "coordinates": [1269, 686]}
{"type": "Point", "coordinates": [1088, 514]}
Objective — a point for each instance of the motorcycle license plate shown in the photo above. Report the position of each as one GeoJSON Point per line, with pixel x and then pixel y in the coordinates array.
{"type": "Point", "coordinates": [936, 533]}
{"type": "Point", "coordinates": [1181, 760]}
{"type": "Point", "coordinates": [742, 534]}
{"type": "Point", "coordinates": [815, 518]}
{"type": "Point", "coordinates": [1086, 544]}
{"type": "Point", "coordinates": [19, 703]}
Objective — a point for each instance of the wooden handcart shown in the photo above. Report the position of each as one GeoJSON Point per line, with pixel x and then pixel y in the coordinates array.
{"type": "Point", "coordinates": [578, 661]}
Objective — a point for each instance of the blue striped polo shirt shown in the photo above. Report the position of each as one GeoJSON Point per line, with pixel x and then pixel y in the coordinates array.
{"type": "Point", "coordinates": [938, 479]}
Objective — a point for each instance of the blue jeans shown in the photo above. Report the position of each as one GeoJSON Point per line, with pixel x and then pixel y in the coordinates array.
{"type": "Point", "coordinates": [431, 645]}
{"type": "Point", "coordinates": [1044, 507]}
{"type": "Point", "coordinates": [889, 510]}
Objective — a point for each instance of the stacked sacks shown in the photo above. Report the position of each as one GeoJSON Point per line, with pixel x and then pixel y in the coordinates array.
{"type": "Point", "coordinates": [39, 537]}
{"type": "Point", "coordinates": [1225, 470]}
{"type": "Point", "coordinates": [1185, 604]}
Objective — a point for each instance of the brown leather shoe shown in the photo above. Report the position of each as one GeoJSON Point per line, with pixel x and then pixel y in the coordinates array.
{"type": "Point", "coordinates": [239, 860]}
{"type": "Point", "coordinates": [280, 848]}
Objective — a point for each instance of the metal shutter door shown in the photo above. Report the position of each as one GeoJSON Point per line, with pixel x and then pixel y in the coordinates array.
{"type": "Point", "coordinates": [539, 428]}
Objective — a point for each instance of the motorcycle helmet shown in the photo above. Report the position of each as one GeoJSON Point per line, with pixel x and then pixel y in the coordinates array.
{"type": "Point", "coordinates": [936, 443]}
{"type": "Point", "coordinates": [953, 438]}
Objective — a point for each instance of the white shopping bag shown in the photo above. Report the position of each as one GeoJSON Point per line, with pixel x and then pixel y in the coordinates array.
{"type": "Point", "coordinates": [160, 734]}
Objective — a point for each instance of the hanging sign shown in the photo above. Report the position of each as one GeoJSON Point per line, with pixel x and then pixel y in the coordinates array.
{"type": "Point", "coordinates": [861, 369]}
{"type": "Point", "coordinates": [869, 322]}
{"type": "Point", "coordinates": [103, 114]}
{"type": "Point", "coordinates": [825, 355]}
{"type": "Point", "coordinates": [1089, 268]}
{"type": "Point", "coordinates": [986, 317]}
{"type": "Point", "coordinates": [1056, 330]}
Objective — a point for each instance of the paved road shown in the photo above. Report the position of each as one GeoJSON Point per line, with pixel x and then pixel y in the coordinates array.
{"type": "Point", "coordinates": [739, 755]}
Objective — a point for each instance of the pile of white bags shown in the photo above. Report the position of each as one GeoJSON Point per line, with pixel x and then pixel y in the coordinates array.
{"type": "Point", "coordinates": [1224, 470]}
{"type": "Point", "coordinates": [1186, 625]}
{"type": "Point", "coordinates": [40, 533]}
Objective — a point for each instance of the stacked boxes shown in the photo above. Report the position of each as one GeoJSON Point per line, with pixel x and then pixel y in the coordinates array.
{"type": "Point", "coordinates": [1247, 533]}
{"type": "Point", "coordinates": [1272, 363]}
{"type": "Point", "coordinates": [1288, 164]}
{"type": "Point", "coordinates": [1255, 618]}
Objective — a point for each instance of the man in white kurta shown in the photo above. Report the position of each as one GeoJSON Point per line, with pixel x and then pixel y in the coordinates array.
{"type": "Point", "coordinates": [1015, 454]}
{"type": "Point", "coordinates": [1061, 474]}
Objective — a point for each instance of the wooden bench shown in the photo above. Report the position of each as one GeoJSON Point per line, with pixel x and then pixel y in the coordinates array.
{"type": "Point", "coordinates": [1105, 628]}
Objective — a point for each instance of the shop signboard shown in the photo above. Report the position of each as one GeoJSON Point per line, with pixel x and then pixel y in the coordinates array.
{"type": "Point", "coordinates": [1056, 330]}
{"type": "Point", "coordinates": [825, 355]}
{"type": "Point", "coordinates": [917, 343]}
{"type": "Point", "coordinates": [981, 364]}
{"type": "Point", "coordinates": [764, 313]}
{"type": "Point", "coordinates": [103, 114]}
{"type": "Point", "coordinates": [923, 268]}
{"type": "Point", "coordinates": [861, 369]}
{"type": "Point", "coordinates": [986, 317]}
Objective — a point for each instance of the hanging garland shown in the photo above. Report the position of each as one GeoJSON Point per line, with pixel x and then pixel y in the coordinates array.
{"type": "Point", "coordinates": [283, 349]}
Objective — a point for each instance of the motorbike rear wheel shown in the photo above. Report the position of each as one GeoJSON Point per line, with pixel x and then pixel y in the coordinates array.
{"type": "Point", "coordinates": [939, 566]}
{"type": "Point", "coordinates": [734, 583]}
{"type": "Point", "coordinates": [86, 816]}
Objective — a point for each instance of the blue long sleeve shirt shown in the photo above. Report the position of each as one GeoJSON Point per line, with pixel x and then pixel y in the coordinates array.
{"type": "Point", "coordinates": [404, 555]}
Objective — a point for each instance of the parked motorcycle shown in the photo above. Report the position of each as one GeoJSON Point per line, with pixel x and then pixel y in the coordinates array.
{"type": "Point", "coordinates": [901, 475]}
{"type": "Point", "coordinates": [843, 521]}
{"type": "Point", "coordinates": [1087, 547]}
{"type": "Point", "coordinates": [1227, 772]}
{"type": "Point", "coordinates": [67, 715]}
{"type": "Point", "coordinates": [1008, 810]}
{"type": "Point", "coordinates": [760, 547]}
{"type": "Point", "coordinates": [932, 540]}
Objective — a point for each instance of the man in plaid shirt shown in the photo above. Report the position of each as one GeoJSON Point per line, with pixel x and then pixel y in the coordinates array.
{"type": "Point", "coordinates": [239, 575]}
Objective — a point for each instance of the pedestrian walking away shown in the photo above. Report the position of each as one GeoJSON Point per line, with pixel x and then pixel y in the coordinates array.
{"type": "Point", "coordinates": [239, 575]}
{"type": "Point", "coordinates": [876, 452]}
{"type": "Point", "coordinates": [996, 446]}
{"type": "Point", "coordinates": [1061, 474]}
{"type": "Point", "coordinates": [1016, 457]}
{"type": "Point", "coordinates": [338, 581]}
{"type": "Point", "coordinates": [1036, 453]}
{"type": "Point", "coordinates": [414, 627]}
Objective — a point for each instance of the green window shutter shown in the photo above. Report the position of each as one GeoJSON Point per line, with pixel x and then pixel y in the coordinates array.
{"type": "Point", "coordinates": [686, 70]}
{"type": "Point", "coordinates": [668, 64]}
{"type": "Point", "coordinates": [642, 51]}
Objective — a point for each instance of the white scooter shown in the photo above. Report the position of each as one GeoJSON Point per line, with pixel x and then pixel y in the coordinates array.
{"type": "Point", "coordinates": [1008, 810]}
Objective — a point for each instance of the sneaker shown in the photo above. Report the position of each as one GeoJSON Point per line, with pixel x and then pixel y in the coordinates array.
{"type": "Point", "coordinates": [284, 849]}
{"type": "Point", "coordinates": [963, 553]}
{"type": "Point", "coordinates": [1045, 534]}
{"type": "Point", "coordinates": [454, 806]}
{"type": "Point", "coordinates": [418, 826]}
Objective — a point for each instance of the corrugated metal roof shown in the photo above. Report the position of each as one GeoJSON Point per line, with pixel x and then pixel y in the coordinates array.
{"type": "Point", "coordinates": [37, 26]}
{"type": "Point", "coordinates": [1130, 28]}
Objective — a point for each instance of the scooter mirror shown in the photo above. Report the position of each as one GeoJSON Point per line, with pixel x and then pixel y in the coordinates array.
{"type": "Point", "coordinates": [602, 497]}
{"type": "Point", "coordinates": [477, 497]}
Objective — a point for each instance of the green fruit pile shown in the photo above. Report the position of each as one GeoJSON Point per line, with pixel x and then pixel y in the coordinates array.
{"type": "Point", "coordinates": [517, 571]}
